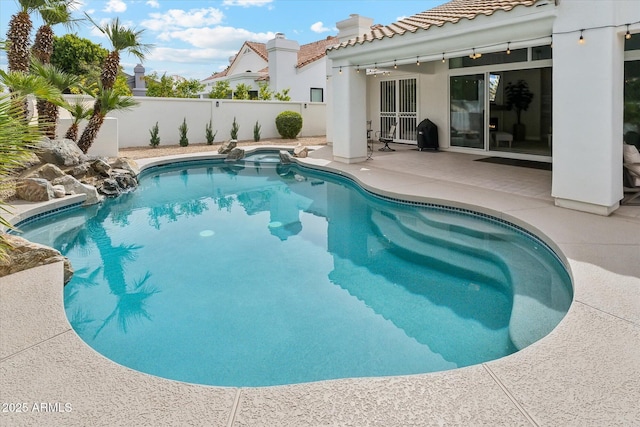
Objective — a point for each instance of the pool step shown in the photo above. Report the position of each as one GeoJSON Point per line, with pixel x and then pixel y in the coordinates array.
{"type": "Point", "coordinates": [501, 258]}
{"type": "Point", "coordinates": [440, 249]}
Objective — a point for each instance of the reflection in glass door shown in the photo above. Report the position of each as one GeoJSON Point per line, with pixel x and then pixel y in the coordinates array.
{"type": "Point", "coordinates": [520, 111]}
{"type": "Point", "coordinates": [467, 111]}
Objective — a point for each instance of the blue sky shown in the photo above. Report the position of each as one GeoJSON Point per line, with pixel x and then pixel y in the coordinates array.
{"type": "Point", "coordinates": [193, 39]}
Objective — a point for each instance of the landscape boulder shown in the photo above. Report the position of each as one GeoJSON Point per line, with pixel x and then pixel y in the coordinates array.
{"type": "Point", "coordinates": [285, 157]}
{"type": "Point", "coordinates": [300, 151]}
{"type": "Point", "coordinates": [234, 155]}
{"type": "Point", "coordinates": [24, 254]}
{"type": "Point", "coordinates": [47, 171]}
{"type": "Point", "coordinates": [60, 152]}
{"type": "Point", "coordinates": [73, 186]}
{"type": "Point", "coordinates": [34, 190]}
{"type": "Point", "coordinates": [226, 147]}
{"type": "Point", "coordinates": [101, 167]}
{"type": "Point", "coordinates": [126, 164]}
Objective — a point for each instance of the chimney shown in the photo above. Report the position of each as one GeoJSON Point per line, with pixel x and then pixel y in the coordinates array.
{"type": "Point", "coordinates": [354, 26]}
{"type": "Point", "coordinates": [283, 59]}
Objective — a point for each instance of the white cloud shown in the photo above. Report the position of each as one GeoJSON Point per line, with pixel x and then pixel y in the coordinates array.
{"type": "Point", "coordinates": [223, 38]}
{"type": "Point", "coordinates": [153, 3]}
{"type": "Point", "coordinates": [206, 56]}
{"type": "Point", "coordinates": [117, 6]}
{"type": "Point", "coordinates": [246, 3]}
{"type": "Point", "coordinates": [319, 27]}
{"type": "Point", "coordinates": [177, 18]}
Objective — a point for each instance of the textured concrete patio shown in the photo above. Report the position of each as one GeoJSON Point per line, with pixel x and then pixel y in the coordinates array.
{"type": "Point", "coordinates": [585, 373]}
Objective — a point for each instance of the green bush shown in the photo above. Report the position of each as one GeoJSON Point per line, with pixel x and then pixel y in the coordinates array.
{"type": "Point", "coordinates": [289, 124]}
{"type": "Point", "coordinates": [256, 131]}
{"type": "Point", "coordinates": [209, 134]}
{"type": "Point", "coordinates": [234, 129]}
{"type": "Point", "coordinates": [184, 141]}
{"type": "Point", "coordinates": [155, 139]}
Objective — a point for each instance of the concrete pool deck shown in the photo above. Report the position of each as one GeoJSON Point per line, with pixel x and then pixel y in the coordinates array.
{"type": "Point", "coordinates": [585, 373]}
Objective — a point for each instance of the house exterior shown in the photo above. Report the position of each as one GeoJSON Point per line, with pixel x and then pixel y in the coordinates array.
{"type": "Point", "coordinates": [282, 64]}
{"type": "Point", "coordinates": [525, 79]}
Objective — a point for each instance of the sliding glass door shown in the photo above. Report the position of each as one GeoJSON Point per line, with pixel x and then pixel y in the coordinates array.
{"type": "Point", "coordinates": [467, 105]}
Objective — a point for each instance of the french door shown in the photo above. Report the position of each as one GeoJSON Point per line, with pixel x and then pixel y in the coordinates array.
{"type": "Point", "coordinates": [398, 105]}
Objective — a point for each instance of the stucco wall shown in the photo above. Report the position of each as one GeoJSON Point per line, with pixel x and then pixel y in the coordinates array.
{"type": "Point", "coordinates": [133, 126]}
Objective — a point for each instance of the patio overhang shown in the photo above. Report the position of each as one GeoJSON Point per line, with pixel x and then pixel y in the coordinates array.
{"type": "Point", "coordinates": [520, 27]}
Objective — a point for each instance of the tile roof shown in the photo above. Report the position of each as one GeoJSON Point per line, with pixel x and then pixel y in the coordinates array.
{"type": "Point", "coordinates": [307, 54]}
{"type": "Point", "coordinates": [450, 12]}
{"type": "Point", "coordinates": [313, 51]}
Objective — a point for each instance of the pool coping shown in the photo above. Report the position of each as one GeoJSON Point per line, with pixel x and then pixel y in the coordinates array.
{"type": "Point", "coordinates": [586, 372]}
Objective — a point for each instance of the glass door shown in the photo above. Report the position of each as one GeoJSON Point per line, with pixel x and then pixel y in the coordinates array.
{"type": "Point", "coordinates": [467, 96]}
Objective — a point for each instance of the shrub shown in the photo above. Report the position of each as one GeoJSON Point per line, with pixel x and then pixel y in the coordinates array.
{"type": "Point", "coordinates": [289, 124]}
{"type": "Point", "coordinates": [283, 95]}
{"type": "Point", "coordinates": [234, 129]}
{"type": "Point", "coordinates": [209, 134]}
{"type": "Point", "coordinates": [256, 131]}
{"type": "Point", "coordinates": [184, 141]}
{"type": "Point", "coordinates": [155, 139]}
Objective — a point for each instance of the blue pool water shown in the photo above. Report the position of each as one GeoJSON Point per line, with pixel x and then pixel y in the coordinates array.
{"type": "Point", "coordinates": [257, 274]}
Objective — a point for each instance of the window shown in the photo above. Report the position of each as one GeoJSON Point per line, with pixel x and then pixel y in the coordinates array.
{"type": "Point", "coordinates": [317, 94]}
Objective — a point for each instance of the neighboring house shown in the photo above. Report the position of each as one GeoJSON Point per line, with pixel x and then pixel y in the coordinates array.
{"type": "Point", "coordinates": [462, 64]}
{"type": "Point", "coordinates": [282, 64]}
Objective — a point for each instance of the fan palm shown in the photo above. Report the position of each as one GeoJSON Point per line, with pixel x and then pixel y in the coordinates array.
{"type": "Point", "coordinates": [54, 12]}
{"type": "Point", "coordinates": [47, 110]}
{"type": "Point", "coordinates": [107, 100]}
{"type": "Point", "coordinates": [122, 39]}
{"type": "Point", "coordinates": [22, 85]}
{"type": "Point", "coordinates": [15, 138]}
{"type": "Point", "coordinates": [79, 111]}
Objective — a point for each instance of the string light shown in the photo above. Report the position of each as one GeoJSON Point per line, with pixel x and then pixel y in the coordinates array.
{"type": "Point", "coordinates": [475, 55]}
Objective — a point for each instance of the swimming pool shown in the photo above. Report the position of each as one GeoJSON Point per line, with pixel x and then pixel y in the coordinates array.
{"type": "Point", "coordinates": [255, 274]}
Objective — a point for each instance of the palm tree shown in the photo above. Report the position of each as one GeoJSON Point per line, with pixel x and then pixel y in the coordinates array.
{"type": "Point", "coordinates": [79, 112]}
{"type": "Point", "coordinates": [122, 39]}
{"type": "Point", "coordinates": [106, 100]}
{"type": "Point", "coordinates": [19, 33]}
{"type": "Point", "coordinates": [54, 12]}
{"type": "Point", "coordinates": [15, 138]}
{"type": "Point", "coordinates": [47, 110]}
{"type": "Point", "coordinates": [22, 85]}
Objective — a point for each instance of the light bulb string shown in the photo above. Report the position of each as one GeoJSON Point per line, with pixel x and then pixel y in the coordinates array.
{"type": "Point", "coordinates": [491, 47]}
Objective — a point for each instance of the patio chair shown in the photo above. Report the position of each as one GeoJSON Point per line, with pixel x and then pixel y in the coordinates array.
{"type": "Point", "coordinates": [631, 179]}
{"type": "Point", "coordinates": [386, 138]}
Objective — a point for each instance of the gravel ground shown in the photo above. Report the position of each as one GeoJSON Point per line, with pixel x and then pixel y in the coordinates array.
{"type": "Point", "coordinates": [146, 152]}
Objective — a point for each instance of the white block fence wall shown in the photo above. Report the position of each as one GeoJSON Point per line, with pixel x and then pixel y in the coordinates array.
{"type": "Point", "coordinates": [131, 129]}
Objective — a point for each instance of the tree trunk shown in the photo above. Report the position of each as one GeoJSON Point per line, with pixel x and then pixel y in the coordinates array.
{"type": "Point", "coordinates": [18, 55]}
{"type": "Point", "coordinates": [90, 132]}
{"type": "Point", "coordinates": [72, 132]}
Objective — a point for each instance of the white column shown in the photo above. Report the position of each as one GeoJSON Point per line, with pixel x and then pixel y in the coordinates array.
{"type": "Point", "coordinates": [587, 111]}
{"type": "Point", "coordinates": [348, 99]}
